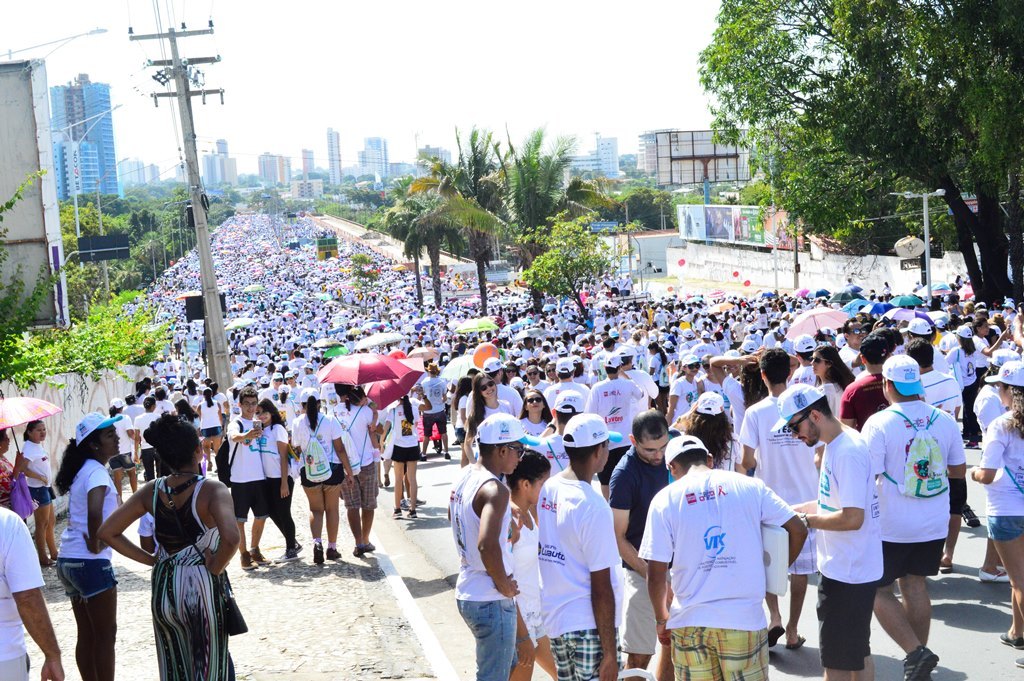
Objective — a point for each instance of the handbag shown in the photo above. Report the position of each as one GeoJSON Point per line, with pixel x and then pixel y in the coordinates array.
{"type": "Point", "coordinates": [21, 498]}
{"type": "Point", "coordinates": [234, 622]}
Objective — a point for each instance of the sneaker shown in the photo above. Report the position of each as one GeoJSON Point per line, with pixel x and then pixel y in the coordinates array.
{"type": "Point", "coordinates": [447, 456]}
{"type": "Point", "coordinates": [258, 557]}
{"type": "Point", "coordinates": [918, 665]}
{"type": "Point", "coordinates": [369, 548]}
{"type": "Point", "coordinates": [998, 576]}
{"type": "Point", "coordinates": [970, 517]}
{"type": "Point", "coordinates": [1020, 662]}
{"type": "Point", "coordinates": [1017, 643]}
{"type": "Point", "coordinates": [318, 553]}
{"type": "Point", "coordinates": [423, 457]}
{"type": "Point", "coordinates": [332, 554]}
{"type": "Point", "coordinates": [288, 556]}
{"type": "Point", "coordinates": [397, 514]}
{"type": "Point", "coordinates": [247, 563]}
{"type": "Point", "coordinates": [405, 504]}
{"type": "Point", "coordinates": [412, 513]}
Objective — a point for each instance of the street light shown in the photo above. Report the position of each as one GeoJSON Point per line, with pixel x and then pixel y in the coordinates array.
{"type": "Point", "coordinates": [63, 41]}
{"type": "Point", "coordinates": [927, 236]}
{"type": "Point", "coordinates": [66, 133]}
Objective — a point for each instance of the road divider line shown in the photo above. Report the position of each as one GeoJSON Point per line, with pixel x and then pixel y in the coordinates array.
{"type": "Point", "coordinates": [442, 666]}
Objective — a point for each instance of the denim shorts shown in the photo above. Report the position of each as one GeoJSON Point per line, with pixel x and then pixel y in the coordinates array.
{"type": "Point", "coordinates": [493, 624]}
{"type": "Point", "coordinates": [1005, 527]}
{"type": "Point", "coordinates": [43, 496]}
{"type": "Point", "coordinates": [84, 578]}
{"type": "Point", "coordinates": [211, 432]}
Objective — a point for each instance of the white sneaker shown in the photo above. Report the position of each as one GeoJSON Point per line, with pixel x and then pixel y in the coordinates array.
{"type": "Point", "coordinates": [999, 576]}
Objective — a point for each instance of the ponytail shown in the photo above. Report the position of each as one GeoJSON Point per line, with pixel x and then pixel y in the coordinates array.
{"type": "Point", "coordinates": [75, 456]}
{"type": "Point", "coordinates": [312, 411]}
{"type": "Point", "coordinates": [208, 395]}
{"type": "Point", "coordinates": [407, 407]}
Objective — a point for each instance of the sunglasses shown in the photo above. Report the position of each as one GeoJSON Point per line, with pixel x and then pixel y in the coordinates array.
{"type": "Point", "coordinates": [535, 400]}
{"type": "Point", "coordinates": [816, 360]}
{"type": "Point", "coordinates": [855, 332]}
{"type": "Point", "coordinates": [487, 386]}
{"type": "Point", "coordinates": [692, 366]}
{"type": "Point", "coordinates": [795, 425]}
{"type": "Point", "coordinates": [518, 449]}
{"type": "Point", "coordinates": [533, 373]}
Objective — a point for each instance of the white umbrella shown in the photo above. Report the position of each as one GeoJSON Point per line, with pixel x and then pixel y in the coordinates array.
{"type": "Point", "coordinates": [376, 339]}
{"type": "Point", "coordinates": [249, 342]}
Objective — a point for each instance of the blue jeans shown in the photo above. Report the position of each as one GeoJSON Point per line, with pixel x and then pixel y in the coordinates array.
{"type": "Point", "coordinates": [493, 624]}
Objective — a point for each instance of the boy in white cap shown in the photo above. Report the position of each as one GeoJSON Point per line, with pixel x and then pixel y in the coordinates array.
{"type": "Point", "coordinates": [612, 399]}
{"type": "Point", "coordinates": [579, 558]}
{"type": "Point", "coordinates": [564, 368]}
{"type": "Point", "coordinates": [716, 624]}
{"type": "Point", "coordinates": [480, 515]}
{"type": "Point", "coordinates": [849, 545]}
{"type": "Point", "coordinates": [918, 452]}
{"type": "Point", "coordinates": [803, 348]}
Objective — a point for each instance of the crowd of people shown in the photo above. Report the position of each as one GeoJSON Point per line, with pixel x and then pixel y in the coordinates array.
{"type": "Point", "coordinates": [611, 478]}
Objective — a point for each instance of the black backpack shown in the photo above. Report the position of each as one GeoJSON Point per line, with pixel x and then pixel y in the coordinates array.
{"type": "Point", "coordinates": [225, 456]}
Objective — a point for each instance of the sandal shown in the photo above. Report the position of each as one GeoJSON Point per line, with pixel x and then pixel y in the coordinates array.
{"type": "Point", "coordinates": [945, 568]}
{"type": "Point", "coordinates": [358, 551]}
{"type": "Point", "coordinates": [800, 641]}
{"type": "Point", "coordinates": [369, 548]}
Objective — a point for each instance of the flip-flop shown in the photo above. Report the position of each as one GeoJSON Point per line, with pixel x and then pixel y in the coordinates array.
{"type": "Point", "coordinates": [800, 640]}
{"type": "Point", "coordinates": [945, 569]}
{"type": "Point", "coordinates": [774, 634]}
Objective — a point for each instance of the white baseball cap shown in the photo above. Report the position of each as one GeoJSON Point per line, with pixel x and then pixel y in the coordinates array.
{"type": "Point", "coordinates": [1001, 357]}
{"type": "Point", "coordinates": [804, 343]}
{"type": "Point", "coordinates": [586, 430]}
{"type": "Point", "coordinates": [491, 365]}
{"type": "Point", "coordinates": [307, 393]}
{"type": "Point", "coordinates": [905, 374]}
{"type": "Point", "coordinates": [1011, 373]}
{"type": "Point", "coordinates": [689, 334]}
{"type": "Point", "coordinates": [683, 444]}
{"type": "Point", "coordinates": [965, 331]}
{"type": "Point", "coordinates": [117, 403]}
{"type": "Point", "coordinates": [794, 400]}
{"type": "Point", "coordinates": [502, 429]}
{"type": "Point", "coordinates": [710, 403]}
{"type": "Point", "coordinates": [626, 352]}
{"type": "Point", "coordinates": [92, 422]}
{"type": "Point", "coordinates": [613, 361]}
{"type": "Point", "coordinates": [686, 360]}
{"type": "Point", "coordinates": [919, 327]}
{"type": "Point", "coordinates": [750, 345]}
{"type": "Point", "coordinates": [565, 365]}
{"type": "Point", "coordinates": [569, 402]}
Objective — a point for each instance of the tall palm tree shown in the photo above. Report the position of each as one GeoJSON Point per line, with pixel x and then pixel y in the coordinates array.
{"type": "Point", "coordinates": [471, 194]}
{"type": "Point", "coordinates": [399, 222]}
{"type": "Point", "coordinates": [536, 190]}
{"type": "Point", "coordinates": [421, 224]}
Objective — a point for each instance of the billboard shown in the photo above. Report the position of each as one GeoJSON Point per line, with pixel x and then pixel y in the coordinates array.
{"type": "Point", "coordinates": [686, 157]}
{"type": "Point", "coordinates": [32, 239]}
{"type": "Point", "coordinates": [749, 225]}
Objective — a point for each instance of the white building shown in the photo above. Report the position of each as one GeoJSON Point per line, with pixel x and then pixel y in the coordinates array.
{"type": "Point", "coordinates": [307, 189]}
{"type": "Point", "coordinates": [334, 156]}
{"type": "Point", "coordinates": [603, 160]}
{"type": "Point", "coordinates": [373, 159]}
{"type": "Point", "coordinates": [133, 172]}
{"type": "Point", "coordinates": [647, 153]}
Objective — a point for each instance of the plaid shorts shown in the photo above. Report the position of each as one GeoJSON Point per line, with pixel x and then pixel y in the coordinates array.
{"type": "Point", "coordinates": [710, 654]}
{"type": "Point", "coordinates": [362, 494]}
{"type": "Point", "coordinates": [578, 655]}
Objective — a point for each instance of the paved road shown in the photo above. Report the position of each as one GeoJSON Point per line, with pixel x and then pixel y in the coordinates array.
{"type": "Point", "coordinates": [968, 616]}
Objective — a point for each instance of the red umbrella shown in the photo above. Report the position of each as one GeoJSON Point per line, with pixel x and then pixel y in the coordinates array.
{"type": "Point", "coordinates": [360, 369]}
{"type": "Point", "coordinates": [384, 393]}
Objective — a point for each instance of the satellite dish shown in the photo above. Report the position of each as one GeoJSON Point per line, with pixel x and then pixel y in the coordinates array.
{"type": "Point", "coordinates": [909, 247]}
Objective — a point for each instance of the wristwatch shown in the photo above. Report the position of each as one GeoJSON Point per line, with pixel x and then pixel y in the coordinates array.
{"type": "Point", "coordinates": [803, 519]}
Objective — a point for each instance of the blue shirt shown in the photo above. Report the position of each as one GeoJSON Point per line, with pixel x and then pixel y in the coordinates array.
{"type": "Point", "coordinates": [632, 488]}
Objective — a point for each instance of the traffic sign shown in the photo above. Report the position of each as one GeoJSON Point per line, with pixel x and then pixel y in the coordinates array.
{"type": "Point", "coordinates": [910, 264]}
{"type": "Point", "coordinates": [609, 226]}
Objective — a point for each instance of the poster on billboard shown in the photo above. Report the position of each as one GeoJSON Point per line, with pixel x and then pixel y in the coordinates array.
{"type": "Point", "coordinates": [691, 222]}
{"type": "Point", "coordinates": [747, 226]}
{"type": "Point", "coordinates": [719, 223]}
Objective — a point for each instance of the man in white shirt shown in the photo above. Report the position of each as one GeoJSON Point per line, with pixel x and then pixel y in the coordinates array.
{"type": "Point", "coordinates": [247, 489]}
{"type": "Point", "coordinates": [716, 624]}
{"type": "Point", "coordinates": [565, 369]}
{"type": "Point", "coordinates": [435, 389]}
{"type": "Point", "coordinates": [579, 558]}
{"type": "Point", "coordinates": [918, 454]}
{"type": "Point", "coordinates": [612, 399]}
{"type": "Point", "coordinates": [22, 603]}
{"type": "Point", "coordinates": [803, 347]}
{"type": "Point", "coordinates": [853, 334]}
{"type": "Point", "coordinates": [788, 468]}
{"type": "Point", "coordinates": [940, 389]}
{"type": "Point", "coordinates": [849, 544]}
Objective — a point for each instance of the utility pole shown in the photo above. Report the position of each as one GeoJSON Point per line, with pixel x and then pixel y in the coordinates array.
{"type": "Point", "coordinates": [180, 71]}
{"type": "Point", "coordinates": [99, 215]}
{"type": "Point", "coordinates": [796, 257]}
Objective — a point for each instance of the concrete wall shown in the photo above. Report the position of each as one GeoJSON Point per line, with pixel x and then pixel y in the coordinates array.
{"type": "Point", "coordinates": [77, 397]}
{"type": "Point", "coordinates": [817, 269]}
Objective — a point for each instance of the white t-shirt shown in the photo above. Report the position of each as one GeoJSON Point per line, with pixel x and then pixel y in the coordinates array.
{"type": "Point", "coordinates": [514, 399]}
{"type": "Point", "coordinates": [246, 459]}
{"type": "Point", "coordinates": [435, 389]}
{"type": "Point", "coordinates": [38, 462]}
{"type": "Point", "coordinates": [708, 526]}
{"type": "Point", "coordinates": [849, 355]}
{"type": "Point", "coordinates": [803, 374]}
{"type": "Point", "coordinates": [732, 391]}
{"type": "Point", "coordinates": [19, 571]}
{"type": "Point", "coordinates": [209, 417]}
{"type": "Point", "coordinates": [847, 481]}
{"type": "Point", "coordinates": [888, 436]}
{"type": "Point", "coordinates": [355, 425]}
{"type": "Point", "coordinates": [553, 450]}
{"type": "Point", "coordinates": [327, 431]}
{"type": "Point", "coordinates": [144, 421]}
{"type": "Point", "coordinates": [613, 400]}
{"type": "Point", "coordinates": [555, 389]}
{"type": "Point", "coordinates": [942, 391]}
{"type": "Point", "coordinates": [269, 453]}
{"type": "Point", "coordinates": [577, 537]}
{"type": "Point", "coordinates": [784, 463]}
{"type": "Point", "coordinates": [533, 429]}
{"type": "Point", "coordinates": [72, 541]}
{"type": "Point", "coordinates": [1004, 452]}
{"type": "Point", "coordinates": [125, 444]}
{"type": "Point", "coordinates": [987, 407]}
{"type": "Point", "coordinates": [404, 432]}
{"type": "Point", "coordinates": [473, 583]}
{"type": "Point", "coordinates": [687, 392]}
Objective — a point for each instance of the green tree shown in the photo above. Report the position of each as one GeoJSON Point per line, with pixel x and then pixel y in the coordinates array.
{"type": "Point", "coordinates": [845, 102]}
{"type": "Point", "coordinates": [471, 194]}
{"type": "Point", "coordinates": [575, 259]}
{"type": "Point", "coordinates": [364, 271]}
{"type": "Point", "coordinates": [652, 208]}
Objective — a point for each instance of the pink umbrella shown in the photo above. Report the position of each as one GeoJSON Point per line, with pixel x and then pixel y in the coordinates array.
{"type": "Point", "coordinates": [819, 318]}
{"type": "Point", "coordinates": [386, 392]}
{"type": "Point", "coordinates": [424, 353]}
{"type": "Point", "coordinates": [15, 411]}
{"type": "Point", "coordinates": [967, 292]}
{"type": "Point", "coordinates": [361, 368]}
{"type": "Point", "coordinates": [802, 293]}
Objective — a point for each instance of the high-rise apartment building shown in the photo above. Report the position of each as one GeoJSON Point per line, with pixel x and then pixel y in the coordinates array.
{"type": "Point", "coordinates": [429, 152]}
{"type": "Point", "coordinates": [274, 169]}
{"type": "Point", "coordinates": [373, 159]}
{"type": "Point", "coordinates": [603, 161]}
{"type": "Point", "coordinates": [334, 156]}
{"type": "Point", "coordinates": [219, 168]}
{"type": "Point", "coordinates": [284, 169]}
{"type": "Point", "coordinates": [647, 153]}
{"type": "Point", "coordinates": [307, 163]}
{"type": "Point", "coordinates": [83, 138]}
{"type": "Point", "coordinates": [133, 172]}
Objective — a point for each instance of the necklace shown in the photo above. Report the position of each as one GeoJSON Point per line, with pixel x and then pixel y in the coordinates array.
{"type": "Point", "coordinates": [174, 491]}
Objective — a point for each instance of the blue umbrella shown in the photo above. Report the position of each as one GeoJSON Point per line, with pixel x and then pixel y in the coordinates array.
{"type": "Point", "coordinates": [852, 288]}
{"type": "Point", "coordinates": [821, 293]}
{"type": "Point", "coordinates": [767, 294]}
{"type": "Point", "coordinates": [878, 308]}
{"type": "Point", "coordinates": [855, 306]}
